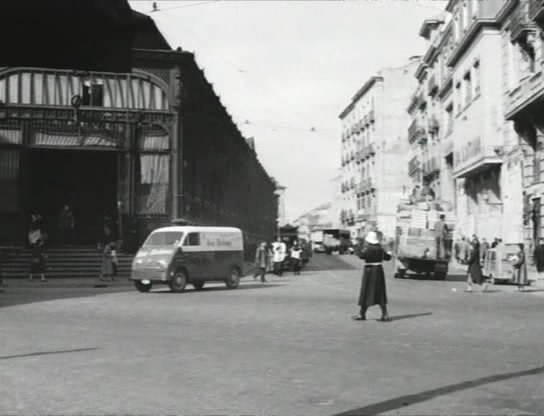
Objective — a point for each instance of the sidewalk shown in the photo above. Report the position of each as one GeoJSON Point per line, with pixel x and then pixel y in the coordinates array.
{"type": "Point", "coordinates": [64, 282]}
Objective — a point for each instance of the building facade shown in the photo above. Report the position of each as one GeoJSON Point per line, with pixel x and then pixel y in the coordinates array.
{"type": "Point", "coordinates": [317, 218]}
{"type": "Point", "coordinates": [523, 85]}
{"type": "Point", "coordinates": [142, 142]}
{"type": "Point", "coordinates": [431, 162]}
{"type": "Point", "coordinates": [375, 152]}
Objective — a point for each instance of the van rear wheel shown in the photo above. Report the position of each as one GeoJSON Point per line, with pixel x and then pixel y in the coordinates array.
{"type": "Point", "coordinates": [233, 280]}
{"type": "Point", "coordinates": [142, 287]}
{"type": "Point", "coordinates": [178, 282]}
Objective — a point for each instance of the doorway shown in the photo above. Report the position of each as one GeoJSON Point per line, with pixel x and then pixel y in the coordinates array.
{"type": "Point", "coordinates": [85, 180]}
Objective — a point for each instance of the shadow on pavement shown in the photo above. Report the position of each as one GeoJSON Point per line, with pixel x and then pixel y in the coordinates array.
{"type": "Point", "coordinates": [409, 316]}
{"type": "Point", "coordinates": [410, 399]}
{"type": "Point", "coordinates": [164, 289]}
{"type": "Point", "coordinates": [35, 354]}
{"type": "Point", "coordinates": [13, 295]}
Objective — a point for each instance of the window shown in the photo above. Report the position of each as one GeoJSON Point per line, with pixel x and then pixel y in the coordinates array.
{"type": "Point", "coordinates": [164, 238]}
{"type": "Point", "coordinates": [468, 88]}
{"type": "Point", "coordinates": [449, 118]}
{"type": "Point", "coordinates": [93, 95]}
{"type": "Point", "coordinates": [193, 239]}
{"type": "Point", "coordinates": [458, 97]}
{"type": "Point", "coordinates": [476, 78]}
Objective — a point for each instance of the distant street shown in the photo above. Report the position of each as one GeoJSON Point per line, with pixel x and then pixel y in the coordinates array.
{"type": "Point", "coordinates": [287, 347]}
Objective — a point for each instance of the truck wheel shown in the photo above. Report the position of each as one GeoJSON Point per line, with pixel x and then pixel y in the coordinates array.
{"type": "Point", "coordinates": [233, 280]}
{"type": "Point", "coordinates": [142, 287]}
{"type": "Point", "coordinates": [178, 282]}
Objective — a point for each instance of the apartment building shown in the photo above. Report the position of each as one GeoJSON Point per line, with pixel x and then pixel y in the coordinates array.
{"type": "Point", "coordinates": [485, 185]}
{"type": "Point", "coordinates": [374, 150]}
{"type": "Point", "coordinates": [523, 86]}
{"type": "Point", "coordinates": [429, 168]}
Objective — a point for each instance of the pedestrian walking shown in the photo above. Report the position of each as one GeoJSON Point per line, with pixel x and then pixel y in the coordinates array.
{"type": "Point", "coordinates": [539, 258]}
{"type": "Point", "coordinates": [520, 269]}
{"type": "Point", "coordinates": [484, 248]}
{"type": "Point", "coordinates": [106, 268]}
{"type": "Point", "coordinates": [114, 260]}
{"type": "Point", "coordinates": [441, 233]}
{"type": "Point", "coordinates": [280, 251]}
{"type": "Point", "coordinates": [261, 262]}
{"type": "Point", "coordinates": [474, 273]}
{"type": "Point", "coordinates": [373, 290]}
{"type": "Point", "coordinates": [66, 224]}
{"type": "Point", "coordinates": [37, 256]}
{"type": "Point", "coordinates": [296, 253]}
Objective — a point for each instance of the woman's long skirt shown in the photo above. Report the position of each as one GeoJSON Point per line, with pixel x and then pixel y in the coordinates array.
{"type": "Point", "coordinates": [373, 290]}
{"type": "Point", "coordinates": [520, 276]}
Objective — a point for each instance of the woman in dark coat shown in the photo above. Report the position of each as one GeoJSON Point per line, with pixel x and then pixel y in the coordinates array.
{"type": "Point", "coordinates": [475, 268]}
{"type": "Point", "coordinates": [373, 290]}
{"type": "Point", "coordinates": [37, 258]}
{"type": "Point", "coordinates": [520, 270]}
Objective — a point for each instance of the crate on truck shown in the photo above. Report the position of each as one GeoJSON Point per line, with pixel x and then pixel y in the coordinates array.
{"type": "Point", "coordinates": [416, 242]}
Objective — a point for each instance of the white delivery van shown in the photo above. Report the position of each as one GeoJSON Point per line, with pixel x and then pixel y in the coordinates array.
{"type": "Point", "coordinates": [178, 255]}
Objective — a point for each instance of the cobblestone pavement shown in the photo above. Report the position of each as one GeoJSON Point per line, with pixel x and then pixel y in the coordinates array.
{"type": "Point", "coordinates": [284, 348]}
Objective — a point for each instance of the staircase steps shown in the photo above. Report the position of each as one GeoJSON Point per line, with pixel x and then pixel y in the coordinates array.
{"type": "Point", "coordinates": [67, 262]}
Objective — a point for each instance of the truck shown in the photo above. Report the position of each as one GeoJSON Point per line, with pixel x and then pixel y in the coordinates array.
{"type": "Point", "coordinates": [316, 237]}
{"type": "Point", "coordinates": [336, 240]}
{"type": "Point", "coordinates": [415, 240]}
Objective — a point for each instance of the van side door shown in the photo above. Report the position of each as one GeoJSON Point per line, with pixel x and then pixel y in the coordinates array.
{"type": "Point", "coordinates": [193, 256]}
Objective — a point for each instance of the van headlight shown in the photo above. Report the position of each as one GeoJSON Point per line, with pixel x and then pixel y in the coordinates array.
{"type": "Point", "coordinates": [162, 263]}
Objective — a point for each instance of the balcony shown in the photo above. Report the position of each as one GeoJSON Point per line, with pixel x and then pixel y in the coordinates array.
{"type": "Point", "coordinates": [473, 157]}
{"type": "Point", "coordinates": [528, 92]}
{"type": "Point", "coordinates": [520, 24]}
{"type": "Point", "coordinates": [415, 131]}
{"type": "Point", "coordinates": [413, 166]}
{"type": "Point", "coordinates": [431, 166]}
{"type": "Point", "coordinates": [536, 11]}
{"type": "Point", "coordinates": [432, 85]}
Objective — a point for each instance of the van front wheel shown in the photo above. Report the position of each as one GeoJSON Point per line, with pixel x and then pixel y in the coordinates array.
{"type": "Point", "coordinates": [233, 280]}
{"type": "Point", "coordinates": [142, 287]}
{"type": "Point", "coordinates": [178, 282]}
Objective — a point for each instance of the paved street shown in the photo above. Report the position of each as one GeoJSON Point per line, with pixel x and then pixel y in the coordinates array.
{"type": "Point", "coordinates": [287, 347]}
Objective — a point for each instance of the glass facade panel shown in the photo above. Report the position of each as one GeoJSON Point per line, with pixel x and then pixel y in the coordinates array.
{"type": "Point", "coordinates": [9, 180]}
{"type": "Point", "coordinates": [152, 184]}
{"type": "Point", "coordinates": [37, 81]}
{"type": "Point", "coordinates": [26, 86]}
{"type": "Point", "coordinates": [13, 88]}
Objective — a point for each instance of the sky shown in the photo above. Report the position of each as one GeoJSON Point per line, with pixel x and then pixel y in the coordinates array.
{"type": "Point", "coordinates": [286, 69]}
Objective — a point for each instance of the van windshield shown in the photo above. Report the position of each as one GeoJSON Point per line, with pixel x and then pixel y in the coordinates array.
{"type": "Point", "coordinates": [164, 238]}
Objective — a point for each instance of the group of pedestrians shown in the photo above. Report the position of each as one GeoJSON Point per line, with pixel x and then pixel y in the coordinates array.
{"type": "Point", "coordinates": [271, 257]}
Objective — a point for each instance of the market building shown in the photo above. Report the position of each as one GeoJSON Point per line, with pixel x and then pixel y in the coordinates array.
{"type": "Point", "coordinates": [118, 125]}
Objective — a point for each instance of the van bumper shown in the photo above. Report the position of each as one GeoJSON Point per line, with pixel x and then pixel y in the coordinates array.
{"type": "Point", "coordinates": [153, 275]}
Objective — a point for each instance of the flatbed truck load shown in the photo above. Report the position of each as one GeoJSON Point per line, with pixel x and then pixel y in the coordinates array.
{"type": "Point", "coordinates": [416, 241]}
